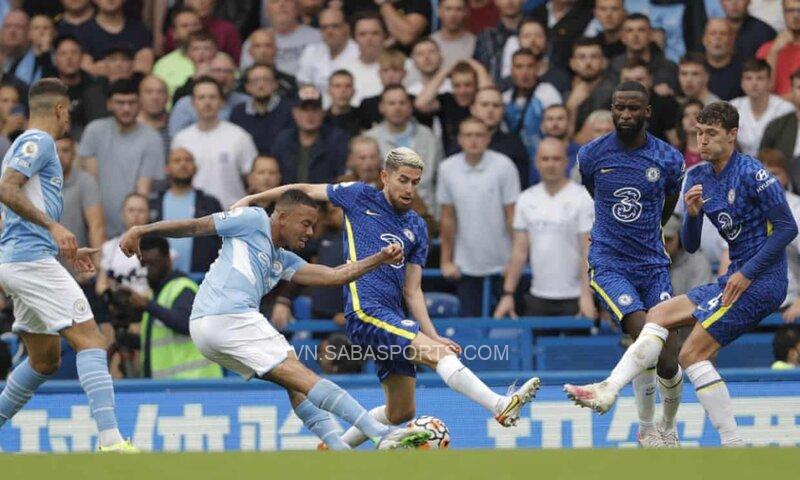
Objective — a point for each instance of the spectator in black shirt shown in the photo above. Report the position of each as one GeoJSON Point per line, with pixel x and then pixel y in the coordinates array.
{"type": "Point", "coordinates": [724, 65]}
{"type": "Point", "coordinates": [266, 113]}
{"type": "Point", "coordinates": [749, 31]}
{"type": "Point", "coordinates": [110, 27]}
{"type": "Point", "coordinates": [76, 13]}
{"type": "Point", "coordinates": [489, 108]}
{"type": "Point", "coordinates": [591, 87]}
{"type": "Point", "coordinates": [341, 113]}
{"type": "Point", "coordinates": [610, 14]}
{"type": "Point", "coordinates": [406, 20]}
{"type": "Point", "coordinates": [571, 18]}
{"type": "Point", "coordinates": [663, 120]}
{"type": "Point", "coordinates": [67, 58]}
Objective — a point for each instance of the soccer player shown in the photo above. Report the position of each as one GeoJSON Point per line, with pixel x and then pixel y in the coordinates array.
{"type": "Point", "coordinates": [48, 303]}
{"type": "Point", "coordinates": [748, 207]}
{"type": "Point", "coordinates": [228, 329]}
{"type": "Point", "coordinates": [374, 303]}
{"type": "Point", "coordinates": [635, 180]}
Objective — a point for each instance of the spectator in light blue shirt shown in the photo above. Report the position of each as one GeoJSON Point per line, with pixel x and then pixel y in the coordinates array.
{"type": "Point", "coordinates": [223, 70]}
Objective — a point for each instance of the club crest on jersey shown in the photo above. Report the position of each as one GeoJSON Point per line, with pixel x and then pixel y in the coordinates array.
{"type": "Point", "coordinates": [726, 226]}
{"type": "Point", "coordinates": [80, 306]}
{"type": "Point", "coordinates": [652, 174]}
{"type": "Point", "coordinates": [409, 235]}
{"type": "Point", "coordinates": [391, 239]}
{"type": "Point", "coordinates": [731, 196]}
{"type": "Point", "coordinates": [277, 267]}
{"type": "Point", "coordinates": [664, 296]}
{"type": "Point", "coordinates": [29, 149]}
{"type": "Point", "coordinates": [762, 175]}
{"type": "Point", "coordinates": [625, 300]}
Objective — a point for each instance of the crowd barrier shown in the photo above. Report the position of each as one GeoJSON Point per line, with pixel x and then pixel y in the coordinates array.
{"type": "Point", "coordinates": [233, 415]}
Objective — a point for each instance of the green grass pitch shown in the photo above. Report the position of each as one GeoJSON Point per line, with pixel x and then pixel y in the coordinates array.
{"type": "Point", "coordinates": [683, 464]}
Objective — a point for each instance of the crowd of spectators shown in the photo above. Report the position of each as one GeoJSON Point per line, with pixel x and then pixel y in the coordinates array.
{"type": "Point", "coordinates": [180, 107]}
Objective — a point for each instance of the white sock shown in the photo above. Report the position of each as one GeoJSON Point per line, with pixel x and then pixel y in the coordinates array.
{"type": "Point", "coordinates": [713, 395]}
{"type": "Point", "coordinates": [355, 437]}
{"type": "Point", "coordinates": [640, 356]}
{"type": "Point", "coordinates": [462, 380]}
{"type": "Point", "coordinates": [106, 438]}
{"type": "Point", "coordinates": [644, 390]}
{"type": "Point", "coordinates": [670, 390]}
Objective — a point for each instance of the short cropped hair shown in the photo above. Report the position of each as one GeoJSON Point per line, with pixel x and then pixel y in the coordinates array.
{"type": "Point", "coordinates": [638, 16]}
{"type": "Point", "coordinates": [633, 87]}
{"type": "Point", "coordinates": [392, 58]}
{"type": "Point", "coordinates": [403, 157]}
{"type": "Point", "coordinates": [207, 79]}
{"type": "Point", "coordinates": [721, 114]}
{"type": "Point", "coordinates": [392, 88]}
{"type": "Point", "coordinates": [524, 52]}
{"type": "Point", "coordinates": [293, 197]}
{"type": "Point", "coordinates": [756, 65]}
{"type": "Point", "coordinates": [46, 87]}
{"type": "Point", "coordinates": [341, 73]}
{"type": "Point", "coordinates": [694, 58]}
{"type": "Point", "coordinates": [123, 87]}
{"type": "Point", "coordinates": [587, 42]}
{"type": "Point", "coordinates": [155, 243]}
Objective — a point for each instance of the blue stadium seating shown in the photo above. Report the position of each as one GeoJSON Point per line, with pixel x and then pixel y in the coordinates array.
{"type": "Point", "coordinates": [442, 304]}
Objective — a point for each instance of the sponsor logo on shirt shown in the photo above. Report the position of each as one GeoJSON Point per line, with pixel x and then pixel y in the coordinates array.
{"type": "Point", "coordinates": [766, 184]}
{"type": "Point", "coordinates": [762, 175]}
{"type": "Point", "coordinates": [22, 163]}
{"type": "Point", "coordinates": [392, 239]}
{"type": "Point", "coordinates": [56, 181]}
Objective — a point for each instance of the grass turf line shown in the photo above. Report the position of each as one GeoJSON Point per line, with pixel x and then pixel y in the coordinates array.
{"type": "Point", "coordinates": [683, 464]}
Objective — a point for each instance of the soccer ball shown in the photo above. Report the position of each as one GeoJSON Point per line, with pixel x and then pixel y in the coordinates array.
{"type": "Point", "coordinates": [440, 434]}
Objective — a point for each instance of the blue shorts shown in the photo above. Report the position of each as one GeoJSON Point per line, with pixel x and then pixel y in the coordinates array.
{"type": "Point", "coordinates": [386, 334]}
{"type": "Point", "coordinates": [624, 292]}
{"type": "Point", "coordinates": [725, 324]}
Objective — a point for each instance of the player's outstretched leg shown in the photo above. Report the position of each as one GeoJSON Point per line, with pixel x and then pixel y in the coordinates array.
{"type": "Point", "coordinates": [92, 364]}
{"type": "Point", "coordinates": [399, 409]}
{"type": "Point", "coordinates": [354, 437]}
{"type": "Point", "coordinates": [318, 421]}
{"type": "Point", "coordinates": [670, 386]}
{"type": "Point", "coordinates": [328, 396]}
{"type": "Point", "coordinates": [44, 356]}
{"type": "Point", "coordinates": [710, 388]}
{"type": "Point", "coordinates": [505, 408]}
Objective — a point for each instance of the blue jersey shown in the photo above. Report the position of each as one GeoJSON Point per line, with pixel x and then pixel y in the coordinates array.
{"type": "Point", "coordinates": [248, 265]}
{"type": "Point", "coordinates": [630, 187]}
{"type": "Point", "coordinates": [34, 155]}
{"type": "Point", "coordinates": [736, 202]}
{"type": "Point", "coordinates": [371, 223]}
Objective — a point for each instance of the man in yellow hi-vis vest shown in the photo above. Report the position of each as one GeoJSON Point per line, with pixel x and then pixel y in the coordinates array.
{"type": "Point", "coordinates": [167, 351]}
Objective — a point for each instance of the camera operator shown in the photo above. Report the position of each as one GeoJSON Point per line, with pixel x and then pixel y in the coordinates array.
{"type": "Point", "coordinates": [167, 352]}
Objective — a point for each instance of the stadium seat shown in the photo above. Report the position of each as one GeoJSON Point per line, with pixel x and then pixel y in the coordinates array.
{"type": "Point", "coordinates": [577, 353]}
{"type": "Point", "coordinates": [301, 307]}
{"type": "Point", "coordinates": [442, 304]}
{"type": "Point", "coordinates": [753, 350]}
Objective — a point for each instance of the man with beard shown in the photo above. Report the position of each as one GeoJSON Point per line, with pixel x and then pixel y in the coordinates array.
{"type": "Point", "coordinates": [635, 180]}
{"type": "Point", "coordinates": [182, 201]}
{"type": "Point", "coordinates": [591, 88]}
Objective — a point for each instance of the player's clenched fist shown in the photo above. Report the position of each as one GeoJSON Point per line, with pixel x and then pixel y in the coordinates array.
{"type": "Point", "coordinates": [694, 200]}
{"type": "Point", "coordinates": [392, 254]}
{"type": "Point", "coordinates": [129, 243]}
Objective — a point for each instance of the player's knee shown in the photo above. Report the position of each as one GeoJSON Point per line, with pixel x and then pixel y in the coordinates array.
{"type": "Point", "coordinates": [397, 416]}
{"type": "Point", "coordinates": [667, 368]}
{"type": "Point", "coordinates": [690, 355]}
{"type": "Point", "coordinates": [46, 365]}
{"type": "Point", "coordinates": [657, 315]}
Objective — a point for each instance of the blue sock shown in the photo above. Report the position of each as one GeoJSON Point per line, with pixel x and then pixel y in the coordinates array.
{"type": "Point", "coordinates": [96, 382]}
{"type": "Point", "coordinates": [321, 423]}
{"type": "Point", "coordinates": [330, 397]}
{"type": "Point", "coordinates": [20, 385]}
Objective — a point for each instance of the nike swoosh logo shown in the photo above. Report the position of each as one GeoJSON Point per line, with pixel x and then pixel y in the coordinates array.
{"type": "Point", "coordinates": [372, 214]}
{"type": "Point", "coordinates": [606, 170]}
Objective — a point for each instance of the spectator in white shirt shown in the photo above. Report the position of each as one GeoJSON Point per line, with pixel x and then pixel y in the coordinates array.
{"type": "Point", "coordinates": [476, 191]}
{"type": "Point", "coordinates": [335, 51]}
{"type": "Point", "coordinates": [455, 41]}
{"type": "Point", "coordinates": [758, 107]}
{"type": "Point", "coordinates": [223, 152]}
{"type": "Point", "coordinates": [369, 34]}
{"type": "Point", "coordinates": [552, 221]}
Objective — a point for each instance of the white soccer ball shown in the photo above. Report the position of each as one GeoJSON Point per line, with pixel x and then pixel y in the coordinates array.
{"type": "Point", "coordinates": [440, 435]}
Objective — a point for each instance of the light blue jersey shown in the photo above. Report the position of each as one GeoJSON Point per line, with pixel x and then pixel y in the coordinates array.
{"type": "Point", "coordinates": [34, 155]}
{"type": "Point", "coordinates": [248, 266]}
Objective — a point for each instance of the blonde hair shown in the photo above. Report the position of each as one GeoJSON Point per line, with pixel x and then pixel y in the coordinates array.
{"type": "Point", "coordinates": [403, 157]}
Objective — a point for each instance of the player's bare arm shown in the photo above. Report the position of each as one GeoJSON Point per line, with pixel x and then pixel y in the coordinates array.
{"type": "Point", "coordinates": [196, 227]}
{"type": "Point", "coordinates": [317, 191]}
{"type": "Point", "coordinates": [13, 197]}
{"type": "Point", "coordinates": [321, 275]}
{"type": "Point", "coordinates": [415, 302]}
{"type": "Point", "coordinates": [520, 245]}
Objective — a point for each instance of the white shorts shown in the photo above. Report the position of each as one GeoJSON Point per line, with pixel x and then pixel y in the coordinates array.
{"type": "Point", "coordinates": [46, 297]}
{"type": "Point", "coordinates": [245, 343]}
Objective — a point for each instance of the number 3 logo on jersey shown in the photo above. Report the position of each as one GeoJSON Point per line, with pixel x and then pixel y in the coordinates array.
{"type": "Point", "coordinates": [628, 209]}
{"type": "Point", "coordinates": [726, 226]}
{"type": "Point", "coordinates": [392, 239]}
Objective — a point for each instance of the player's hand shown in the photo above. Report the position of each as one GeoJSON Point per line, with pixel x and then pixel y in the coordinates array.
{"type": "Point", "coordinates": [587, 307]}
{"type": "Point", "coordinates": [449, 343]}
{"type": "Point", "coordinates": [83, 260]}
{"type": "Point", "coordinates": [737, 284]}
{"type": "Point", "coordinates": [505, 308]}
{"type": "Point", "coordinates": [129, 243]}
{"type": "Point", "coordinates": [241, 203]}
{"type": "Point", "coordinates": [392, 254]}
{"type": "Point", "coordinates": [663, 90]}
{"type": "Point", "coordinates": [137, 300]}
{"type": "Point", "coordinates": [791, 314]}
{"type": "Point", "coordinates": [281, 316]}
{"type": "Point", "coordinates": [450, 271]}
{"type": "Point", "coordinates": [694, 200]}
{"type": "Point", "coordinates": [66, 242]}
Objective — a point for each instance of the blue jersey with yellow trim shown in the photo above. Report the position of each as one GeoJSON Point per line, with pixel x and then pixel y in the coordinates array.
{"type": "Point", "coordinates": [33, 154]}
{"type": "Point", "coordinates": [630, 187]}
{"type": "Point", "coordinates": [736, 202]}
{"type": "Point", "coordinates": [371, 223]}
